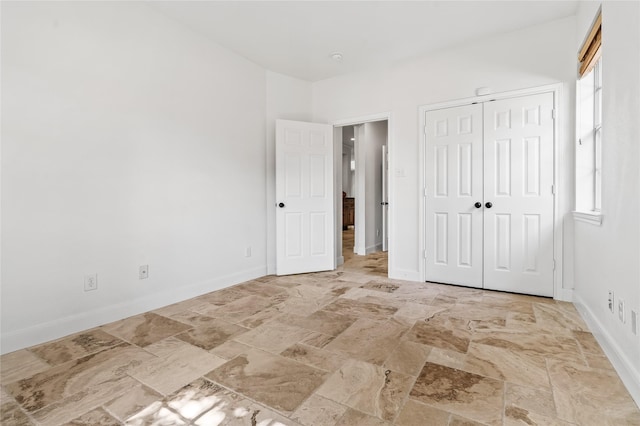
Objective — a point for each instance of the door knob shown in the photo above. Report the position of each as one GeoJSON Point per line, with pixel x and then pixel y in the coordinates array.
{"type": "Point", "coordinates": [281, 205]}
{"type": "Point", "coordinates": [384, 203]}
{"type": "Point", "coordinates": [488, 205]}
{"type": "Point", "coordinates": [478, 205]}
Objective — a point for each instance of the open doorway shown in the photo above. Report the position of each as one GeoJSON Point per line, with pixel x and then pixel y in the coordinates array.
{"type": "Point", "coordinates": [364, 224]}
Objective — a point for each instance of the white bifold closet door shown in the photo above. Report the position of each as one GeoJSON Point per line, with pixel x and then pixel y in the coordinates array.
{"type": "Point", "coordinates": [490, 196]}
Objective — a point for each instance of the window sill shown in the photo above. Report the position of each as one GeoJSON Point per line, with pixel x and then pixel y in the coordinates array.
{"type": "Point", "coordinates": [590, 217]}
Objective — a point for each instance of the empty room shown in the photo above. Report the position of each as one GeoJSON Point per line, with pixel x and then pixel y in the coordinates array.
{"type": "Point", "coordinates": [314, 213]}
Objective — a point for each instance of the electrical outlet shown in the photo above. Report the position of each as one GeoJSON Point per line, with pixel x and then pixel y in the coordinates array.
{"type": "Point", "coordinates": [247, 252]}
{"type": "Point", "coordinates": [610, 301]}
{"type": "Point", "coordinates": [621, 316]}
{"type": "Point", "coordinates": [634, 322]}
{"type": "Point", "coordinates": [90, 282]}
{"type": "Point", "coordinates": [143, 272]}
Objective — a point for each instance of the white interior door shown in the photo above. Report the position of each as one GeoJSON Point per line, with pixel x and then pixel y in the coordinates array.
{"type": "Point", "coordinates": [518, 227]}
{"type": "Point", "coordinates": [305, 197]}
{"type": "Point", "coordinates": [454, 186]}
{"type": "Point", "coordinates": [385, 198]}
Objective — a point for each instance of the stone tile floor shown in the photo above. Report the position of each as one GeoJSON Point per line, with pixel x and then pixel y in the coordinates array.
{"type": "Point", "coordinates": [347, 347]}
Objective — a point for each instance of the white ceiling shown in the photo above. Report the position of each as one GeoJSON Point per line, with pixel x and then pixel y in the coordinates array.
{"type": "Point", "coordinates": [298, 37]}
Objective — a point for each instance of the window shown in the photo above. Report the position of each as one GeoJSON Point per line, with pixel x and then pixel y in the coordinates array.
{"type": "Point", "coordinates": [589, 127]}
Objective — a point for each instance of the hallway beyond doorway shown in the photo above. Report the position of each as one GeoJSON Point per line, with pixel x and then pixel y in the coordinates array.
{"type": "Point", "coordinates": [374, 263]}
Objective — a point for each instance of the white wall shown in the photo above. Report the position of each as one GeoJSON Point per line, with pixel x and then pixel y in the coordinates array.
{"type": "Point", "coordinates": [348, 175]}
{"type": "Point", "coordinates": [287, 98]}
{"type": "Point", "coordinates": [607, 257]}
{"type": "Point", "coordinates": [375, 137]}
{"type": "Point", "coordinates": [535, 56]}
{"type": "Point", "coordinates": [126, 140]}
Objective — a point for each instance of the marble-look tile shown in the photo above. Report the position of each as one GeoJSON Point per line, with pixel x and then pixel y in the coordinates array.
{"type": "Point", "coordinates": [73, 406]}
{"type": "Point", "coordinates": [516, 416]}
{"type": "Point", "coordinates": [385, 287]}
{"type": "Point", "coordinates": [20, 365]}
{"type": "Point", "coordinates": [237, 310]}
{"type": "Point", "coordinates": [319, 411]}
{"type": "Point", "coordinates": [276, 381]}
{"type": "Point", "coordinates": [523, 402]}
{"type": "Point", "coordinates": [322, 322]}
{"type": "Point", "coordinates": [315, 357]}
{"type": "Point", "coordinates": [166, 346]}
{"type": "Point", "coordinates": [176, 308]}
{"type": "Point", "coordinates": [520, 317]}
{"type": "Point", "coordinates": [368, 388]}
{"type": "Point", "coordinates": [361, 309]}
{"type": "Point", "coordinates": [408, 358]}
{"type": "Point", "coordinates": [559, 316]}
{"type": "Point", "coordinates": [579, 396]}
{"type": "Point", "coordinates": [587, 342]}
{"type": "Point", "coordinates": [224, 296]}
{"type": "Point", "coordinates": [156, 414]}
{"type": "Point", "coordinates": [75, 346]}
{"type": "Point", "coordinates": [230, 349]}
{"type": "Point", "coordinates": [476, 397]}
{"type": "Point", "coordinates": [463, 421]}
{"type": "Point", "coordinates": [318, 340]}
{"type": "Point", "coordinates": [417, 414]}
{"type": "Point", "coordinates": [417, 311]}
{"type": "Point", "coordinates": [171, 372]}
{"type": "Point", "coordinates": [69, 378]}
{"type": "Point", "coordinates": [198, 397]}
{"type": "Point", "coordinates": [210, 332]}
{"type": "Point", "coordinates": [273, 336]}
{"type": "Point", "coordinates": [507, 365]}
{"type": "Point", "coordinates": [145, 329]}
{"type": "Point", "coordinates": [246, 413]}
{"type": "Point", "coordinates": [450, 334]}
{"type": "Point", "coordinates": [132, 402]}
{"type": "Point", "coordinates": [534, 344]}
{"type": "Point", "coordinates": [306, 306]}
{"type": "Point", "coordinates": [96, 417]}
{"type": "Point", "coordinates": [369, 340]}
{"type": "Point", "coordinates": [12, 414]}
{"type": "Point", "coordinates": [261, 289]}
{"type": "Point", "coordinates": [306, 291]}
{"type": "Point", "coordinates": [447, 358]}
{"type": "Point", "coordinates": [598, 361]}
{"type": "Point", "coordinates": [356, 418]}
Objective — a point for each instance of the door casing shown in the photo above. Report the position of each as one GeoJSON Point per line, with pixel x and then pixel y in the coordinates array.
{"type": "Point", "coordinates": [558, 292]}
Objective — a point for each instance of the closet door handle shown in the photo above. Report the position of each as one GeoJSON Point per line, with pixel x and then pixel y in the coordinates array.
{"type": "Point", "coordinates": [281, 205]}
{"type": "Point", "coordinates": [488, 205]}
{"type": "Point", "coordinates": [478, 205]}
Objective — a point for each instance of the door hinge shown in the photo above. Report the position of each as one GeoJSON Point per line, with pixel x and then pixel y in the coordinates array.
{"type": "Point", "coordinates": [553, 189]}
{"type": "Point", "coordinates": [425, 191]}
{"type": "Point", "coordinates": [424, 254]}
{"type": "Point", "coordinates": [424, 130]}
{"type": "Point", "coordinates": [553, 113]}
{"type": "Point", "coordinates": [554, 264]}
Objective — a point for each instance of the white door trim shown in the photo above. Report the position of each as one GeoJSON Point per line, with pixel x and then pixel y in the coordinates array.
{"type": "Point", "coordinates": [558, 291]}
{"type": "Point", "coordinates": [350, 121]}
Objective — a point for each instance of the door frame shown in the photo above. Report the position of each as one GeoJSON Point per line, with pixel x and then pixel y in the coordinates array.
{"type": "Point", "coordinates": [337, 153]}
{"type": "Point", "coordinates": [559, 292]}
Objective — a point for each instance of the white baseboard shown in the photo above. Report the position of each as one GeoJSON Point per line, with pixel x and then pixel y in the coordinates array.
{"type": "Point", "coordinates": [61, 327]}
{"type": "Point", "coordinates": [565, 295]}
{"type": "Point", "coordinates": [628, 371]}
{"type": "Point", "coordinates": [374, 248]}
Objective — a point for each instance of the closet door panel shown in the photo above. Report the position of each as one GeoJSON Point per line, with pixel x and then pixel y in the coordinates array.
{"type": "Point", "coordinates": [518, 179]}
{"type": "Point", "coordinates": [454, 185]}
